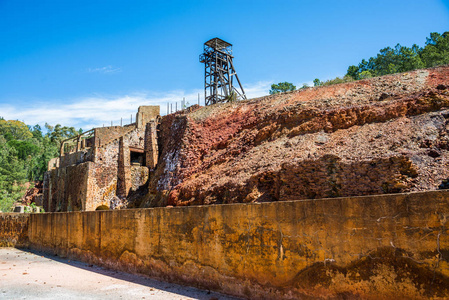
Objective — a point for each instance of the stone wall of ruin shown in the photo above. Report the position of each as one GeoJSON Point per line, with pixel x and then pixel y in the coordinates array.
{"type": "Point", "coordinates": [102, 175]}
{"type": "Point", "coordinates": [139, 177]}
{"type": "Point", "coordinates": [105, 135]}
{"type": "Point", "coordinates": [66, 188]}
{"type": "Point", "coordinates": [385, 246]}
{"type": "Point", "coordinates": [78, 157]}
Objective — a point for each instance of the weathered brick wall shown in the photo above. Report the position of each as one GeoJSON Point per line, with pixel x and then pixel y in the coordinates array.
{"type": "Point", "coordinates": [151, 145]}
{"type": "Point", "coordinates": [147, 114]}
{"type": "Point", "coordinates": [103, 177]}
{"type": "Point", "coordinates": [13, 230]}
{"type": "Point", "coordinates": [105, 135]}
{"type": "Point", "coordinates": [139, 176]}
{"type": "Point", "coordinates": [75, 158]}
{"type": "Point", "coordinates": [100, 173]}
{"type": "Point", "coordinates": [66, 188]}
{"type": "Point", "coordinates": [387, 246]}
{"type": "Point", "coordinates": [98, 182]}
{"type": "Point", "coordinates": [124, 168]}
{"type": "Point", "coordinates": [136, 138]}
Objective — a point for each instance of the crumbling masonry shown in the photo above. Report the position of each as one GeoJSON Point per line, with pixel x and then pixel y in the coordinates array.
{"type": "Point", "coordinates": [101, 167]}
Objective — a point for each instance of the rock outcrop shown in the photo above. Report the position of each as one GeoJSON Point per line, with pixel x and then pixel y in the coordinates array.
{"type": "Point", "coordinates": [382, 135]}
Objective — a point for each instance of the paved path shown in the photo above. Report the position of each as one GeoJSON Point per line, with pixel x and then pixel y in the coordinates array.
{"type": "Point", "coordinates": [26, 275]}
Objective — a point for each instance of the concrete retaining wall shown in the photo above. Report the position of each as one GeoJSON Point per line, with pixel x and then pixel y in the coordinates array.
{"type": "Point", "coordinates": [373, 246]}
{"type": "Point", "coordinates": [14, 229]}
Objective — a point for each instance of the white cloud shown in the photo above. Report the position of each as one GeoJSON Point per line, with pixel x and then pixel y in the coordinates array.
{"type": "Point", "coordinates": [98, 110]}
{"type": "Point", "coordinates": [258, 89]}
{"type": "Point", "coordinates": [104, 70]}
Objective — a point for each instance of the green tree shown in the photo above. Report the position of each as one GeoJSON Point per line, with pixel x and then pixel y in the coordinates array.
{"type": "Point", "coordinates": [365, 75]}
{"type": "Point", "coordinates": [36, 131]}
{"type": "Point", "coordinates": [282, 87]}
{"type": "Point", "coordinates": [24, 155]}
{"type": "Point", "coordinates": [12, 175]}
{"type": "Point", "coordinates": [410, 58]}
{"type": "Point", "coordinates": [59, 133]}
{"type": "Point", "coordinates": [436, 51]}
{"type": "Point", "coordinates": [402, 59]}
{"type": "Point", "coordinates": [317, 82]}
{"type": "Point", "coordinates": [353, 72]}
{"type": "Point", "coordinates": [16, 130]}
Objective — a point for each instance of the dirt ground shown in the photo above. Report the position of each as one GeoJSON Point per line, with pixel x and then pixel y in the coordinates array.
{"type": "Point", "coordinates": [27, 275]}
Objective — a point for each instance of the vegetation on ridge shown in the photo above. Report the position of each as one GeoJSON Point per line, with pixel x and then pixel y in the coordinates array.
{"type": "Point", "coordinates": [399, 59]}
{"type": "Point", "coordinates": [389, 61]}
{"type": "Point", "coordinates": [282, 87]}
{"type": "Point", "coordinates": [24, 155]}
{"type": "Point", "coordinates": [403, 59]}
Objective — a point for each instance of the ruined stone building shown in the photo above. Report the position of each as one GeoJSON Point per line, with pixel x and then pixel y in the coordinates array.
{"type": "Point", "coordinates": [101, 167]}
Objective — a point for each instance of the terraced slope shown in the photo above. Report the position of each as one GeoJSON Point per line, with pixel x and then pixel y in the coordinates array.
{"type": "Point", "coordinates": [383, 135]}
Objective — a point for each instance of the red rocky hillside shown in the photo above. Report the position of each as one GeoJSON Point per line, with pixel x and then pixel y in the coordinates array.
{"type": "Point", "coordinates": [382, 135]}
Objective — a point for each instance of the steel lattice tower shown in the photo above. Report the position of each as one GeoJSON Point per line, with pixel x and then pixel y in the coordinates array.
{"type": "Point", "coordinates": [219, 73]}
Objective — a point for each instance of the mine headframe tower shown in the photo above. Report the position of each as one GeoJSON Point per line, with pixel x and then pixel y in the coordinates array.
{"type": "Point", "coordinates": [219, 73]}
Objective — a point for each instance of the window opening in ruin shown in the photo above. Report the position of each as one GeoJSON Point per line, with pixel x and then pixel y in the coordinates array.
{"type": "Point", "coordinates": [102, 207]}
{"type": "Point", "coordinates": [137, 158]}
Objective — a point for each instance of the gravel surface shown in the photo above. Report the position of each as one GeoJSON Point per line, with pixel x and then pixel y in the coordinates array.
{"type": "Point", "coordinates": [27, 275]}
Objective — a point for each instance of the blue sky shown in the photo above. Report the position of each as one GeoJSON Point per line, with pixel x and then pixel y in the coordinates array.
{"type": "Point", "coordinates": [87, 63]}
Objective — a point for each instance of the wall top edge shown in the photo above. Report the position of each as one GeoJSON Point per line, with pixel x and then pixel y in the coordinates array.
{"type": "Point", "coordinates": [437, 193]}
